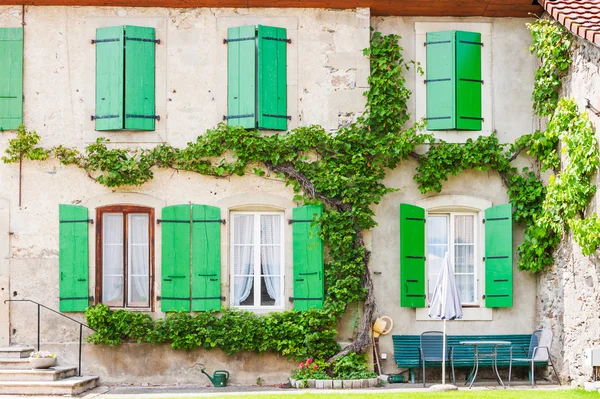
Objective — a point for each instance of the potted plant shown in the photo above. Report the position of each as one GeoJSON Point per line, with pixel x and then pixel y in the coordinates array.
{"type": "Point", "coordinates": [42, 359]}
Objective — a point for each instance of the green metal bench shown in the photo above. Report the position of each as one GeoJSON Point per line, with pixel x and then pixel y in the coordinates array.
{"type": "Point", "coordinates": [406, 351]}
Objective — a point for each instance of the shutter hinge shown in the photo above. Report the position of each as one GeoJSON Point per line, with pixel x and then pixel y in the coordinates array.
{"type": "Point", "coordinates": [436, 80]}
{"type": "Point", "coordinates": [440, 42]}
{"type": "Point", "coordinates": [157, 117]}
{"type": "Point", "coordinates": [103, 116]}
{"type": "Point", "coordinates": [226, 117]}
{"type": "Point", "coordinates": [468, 42]}
{"type": "Point", "coordinates": [472, 118]}
{"type": "Point", "coordinates": [292, 299]}
{"type": "Point", "coordinates": [438, 117]}
{"type": "Point", "coordinates": [136, 39]}
{"type": "Point", "coordinates": [278, 116]}
{"type": "Point", "coordinates": [225, 41]}
{"type": "Point", "coordinates": [289, 41]}
{"type": "Point", "coordinates": [290, 221]}
{"type": "Point", "coordinates": [76, 298]}
{"type": "Point", "coordinates": [208, 297]}
{"type": "Point", "coordinates": [471, 80]}
{"type": "Point", "coordinates": [222, 221]}
{"type": "Point", "coordinates": [90, 221]}
{"type": "Point", "coordinates": [159, 221]}
{"type": "Point", "coordinates": [8, 96]}
{"type": "Point", "coordinates": [105, 40]}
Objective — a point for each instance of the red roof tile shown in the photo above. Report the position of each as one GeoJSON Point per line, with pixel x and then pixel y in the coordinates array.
{"type": "Point", "coordinates": [581, 17]}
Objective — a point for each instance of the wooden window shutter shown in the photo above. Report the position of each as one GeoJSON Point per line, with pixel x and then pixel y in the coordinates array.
{"type": "Point", "coordinates": [441, 80]}
{"type": "Point", "coordinates": [498, 257]}
{"type": "Point", "coordinates": [73, 258]}
{"type": "Point", "coordinates": [11, 78]}
{"type": "Point", "coordinates": [241, 77]}
{"type": "Point", "coordinates": [206, 258]}
{"type": "Point", "coordinates": [412, 256]}
{"type": "Point", "coordinates": [309, 286]}
{"type": "Point", "coordinates": [109, 78]}
{"type": "Point", "coordinates": [272, 78]}
{"type": "Point", "coordinates": [140, 45]}
{"type": "Point", "coordinates": [454, 80]}
{"type": "Point", "coordinates": [175, 264]}
{"type": "Point", "coordinates": [468, 80]}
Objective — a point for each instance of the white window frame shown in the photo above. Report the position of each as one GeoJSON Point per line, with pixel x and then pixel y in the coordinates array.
{"type": "Point", "coordinates": [451, 252]}
{"type": "Point", "coordinates": [256, 259]}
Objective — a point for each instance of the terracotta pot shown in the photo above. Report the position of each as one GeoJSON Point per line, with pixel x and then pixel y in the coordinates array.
{"type": "Point", "coordinates": [42, 362]}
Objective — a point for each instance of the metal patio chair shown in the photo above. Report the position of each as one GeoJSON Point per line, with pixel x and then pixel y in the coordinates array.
{"type": "Point", "coordinates": [539, 351]}
{"type": "Point", "coordinates": [431, 350]}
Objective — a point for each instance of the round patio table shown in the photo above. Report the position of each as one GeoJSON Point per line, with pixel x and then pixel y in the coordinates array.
{"type": "Point", "coordinates": [492, 355]}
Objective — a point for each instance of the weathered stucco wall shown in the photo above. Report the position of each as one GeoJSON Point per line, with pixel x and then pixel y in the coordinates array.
{"type": "Point", "coordinates": [568, 295]}
{"type": "Point", "coordinates": [511, 72]}
{"type": "Point", "coordinates": [327, 74]}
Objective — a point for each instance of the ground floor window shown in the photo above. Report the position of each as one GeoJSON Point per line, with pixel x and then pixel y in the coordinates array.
{"type": "Point", "coordinates": [257, 255]}
{"type": "Point", "coordinates": [125, 241]}
{"type": "Point", "coordinates": [454, 233]}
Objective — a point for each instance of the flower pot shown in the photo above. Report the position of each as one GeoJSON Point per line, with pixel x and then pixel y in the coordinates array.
{"type": "Point", "coordinates": [42, 362]}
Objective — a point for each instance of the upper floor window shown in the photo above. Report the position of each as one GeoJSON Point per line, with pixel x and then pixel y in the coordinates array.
{"type": "Point", "coordinates": [257, 77]}
{"type": "Point", "coordinates": [125, 237]}
{"type": "Point", "coordinates": [455, 234]}
{"type": "Point", "coordinates": [257, 255]}
{"type": "Point", "coordinates": [125, 78]}
{"type": "Point", "coordinates": [11, 78]}
{"type": "Point", "coordinates": [453, 79]}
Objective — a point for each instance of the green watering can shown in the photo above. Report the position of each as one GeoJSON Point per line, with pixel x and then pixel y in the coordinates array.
{"type": "Point", "coordinates": [219, 378]}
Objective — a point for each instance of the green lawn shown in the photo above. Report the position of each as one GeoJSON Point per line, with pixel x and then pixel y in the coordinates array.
{"type": "Point", "coordinates": [526, 394]}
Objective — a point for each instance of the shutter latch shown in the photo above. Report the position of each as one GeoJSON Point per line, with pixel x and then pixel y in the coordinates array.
{"type": "Point", "coordinates": [157, 117]}
{"type": "Point", "coordinates": [278, 116]}
{"type": "Point", "coordinates": [289, 41]}
{"type": "Point", "coordinates": [226, 117]}
{"type": "Point", "coordinates": [103, 116]}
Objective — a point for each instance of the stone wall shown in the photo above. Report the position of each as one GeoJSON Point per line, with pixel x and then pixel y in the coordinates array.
{"type": "Point", "coordinates": [568, 298]}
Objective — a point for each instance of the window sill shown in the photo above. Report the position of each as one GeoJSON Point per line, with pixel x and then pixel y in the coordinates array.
{"type": "Point", "coordinates": [469, 314]}
{"type": "Point", "coordinates": [141, 310]}
{"type": "Point", "coordinates": [259, 310]}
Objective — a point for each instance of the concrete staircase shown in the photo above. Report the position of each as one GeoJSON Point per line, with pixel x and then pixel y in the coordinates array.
{"type": "Point", "coordinates": [17, 377]}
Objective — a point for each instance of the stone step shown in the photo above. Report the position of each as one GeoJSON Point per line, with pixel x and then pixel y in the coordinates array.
{"type": "Point", "coordinates": [68, 386]}
{"type": "Point", "coordinates": [50, 374]}
{"type": "Point", "coordinates": [17, 352]}
{"type": "Point", "coordinates": [14, 363]}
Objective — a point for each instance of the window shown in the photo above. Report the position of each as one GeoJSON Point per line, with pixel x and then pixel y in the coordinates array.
{"type": "Point", "coordinates": [453, 80]}
{"type": "Point", "coordinates": [455, 234]}
{"type": "Point", "coordinates": [124, 271]}
{"type": "Point", "coordinates": [125, 78]}
{"type": "Point", "coordinates": [257, 255]}
{"type": "Point", "coordinates": [257, 77]}
{"type": "Point", "coordinates": [11, 78]}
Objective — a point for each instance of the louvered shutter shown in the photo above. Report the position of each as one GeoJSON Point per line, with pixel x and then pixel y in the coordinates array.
{"type": "Point", "coordinates": [468, 82]}
{"type": "Point", "coordinates": [109, 78]}
{"type": "Point", "coordinates": [175, 269]}
{"type": "Point", "coordinates": [412, 256]}
{"type": "Point", "coordinates": [73, 258]}
{"type": "Point", "coordinates": [11, 78]}
{"type": "Point", "coordinates": [441, 80]}
{"type": "Point", "coordinates": [139, 78]}
{"type": "Point", "coordinates": [272, 78]}
{"type": "Point", "coordinates": [206, 258]}
{"type": "Point", "coordinates": [241, 77]}
{"type": "Point", "coordinates": [309, 287]}
{"type": "Point", "coordinates": [498, 257]}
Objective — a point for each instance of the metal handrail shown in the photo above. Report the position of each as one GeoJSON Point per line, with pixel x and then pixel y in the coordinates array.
{"type": "Point", "coordinates": [39, 306]}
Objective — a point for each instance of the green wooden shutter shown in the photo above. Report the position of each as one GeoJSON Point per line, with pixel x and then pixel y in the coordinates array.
{"type": "Point", "coordinates": [441, 81]}
{"type": "Point", "coordinates": [468, 80]}
{"type": "Point", "coordinates": [272, 78]}
{"type": "Point", "coordinates": [241, 77]}
{"type": "Point", "coordinates": [139, 78]}
{"type": "Point", "coordinates": [73, 258]}
{"type": "Point", "coordinates": [309, 287]}
{"type": "Point", "coordinates": [412, 256]}
{"type": "Point", "coordinates": [498, 257]}
{"type": "Point", "coordinates": [206, 258]}
{"type": "Point", "coordinates": [109, 78]}
{"type": "Point", "coordinates": [175, 270]}
{"type": "Point", "coordinates": [11, 78]}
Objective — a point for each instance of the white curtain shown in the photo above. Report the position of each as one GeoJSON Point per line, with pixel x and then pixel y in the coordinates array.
{"type": "Point", "coordinates": [139, 260]}
{"type": "Point", "coordinates": [270, 254]}
{"type": "Point", "coordinates": [464, 259]}
{"type": "Point", "coordinates": [243, 256]}
{"type": "Point", "coordinates": [112, 258]}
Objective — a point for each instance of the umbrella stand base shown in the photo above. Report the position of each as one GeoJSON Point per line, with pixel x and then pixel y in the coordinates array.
{"type": "Point", "coordinates": [442, 388]}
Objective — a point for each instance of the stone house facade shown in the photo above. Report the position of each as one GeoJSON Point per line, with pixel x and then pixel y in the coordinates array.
{"type": "Point", "coordinates": [64, 80]}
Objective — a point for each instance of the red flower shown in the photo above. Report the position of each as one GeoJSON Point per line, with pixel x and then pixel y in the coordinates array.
{"type": "Point", "coordinates": [308, 361]}
{"type": "Point", "coordinates": [315, 367]}
{"type": "Point", "coordinates": [300, 366]}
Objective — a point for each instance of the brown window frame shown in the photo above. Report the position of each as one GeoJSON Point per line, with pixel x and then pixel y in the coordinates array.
{"type": "Point", "coordinates": [125, 210]}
